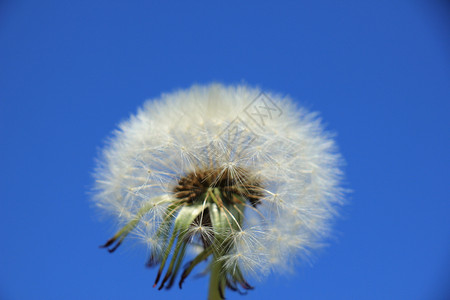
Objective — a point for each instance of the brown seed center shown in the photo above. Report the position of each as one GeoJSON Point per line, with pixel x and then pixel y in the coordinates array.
{"type": "Point", "coordinates": [236, 181]}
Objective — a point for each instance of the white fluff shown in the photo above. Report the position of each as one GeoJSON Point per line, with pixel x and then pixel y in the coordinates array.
{"type": "Point", "coordinates": [286, 148]}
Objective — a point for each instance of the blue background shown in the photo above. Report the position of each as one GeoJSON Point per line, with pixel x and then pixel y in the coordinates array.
{"type": "Point", "coordinates": [378, 71]}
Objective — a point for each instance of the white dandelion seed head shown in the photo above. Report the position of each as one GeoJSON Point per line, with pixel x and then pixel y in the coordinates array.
{"type": "Point", "coordinates": [216, 130]}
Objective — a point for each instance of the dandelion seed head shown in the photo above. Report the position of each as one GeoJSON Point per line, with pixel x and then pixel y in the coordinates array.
{"type": "Point", "coordinates": [258, 184]}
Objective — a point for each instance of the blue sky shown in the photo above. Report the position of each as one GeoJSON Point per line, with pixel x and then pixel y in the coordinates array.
{"type": "Point", "coordinates": [378, 71]}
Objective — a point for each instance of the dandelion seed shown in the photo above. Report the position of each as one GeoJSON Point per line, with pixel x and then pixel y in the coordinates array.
{"type": "Point", "coordinates": [195, 169]}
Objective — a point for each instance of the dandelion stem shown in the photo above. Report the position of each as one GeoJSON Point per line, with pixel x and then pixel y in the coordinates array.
{"type": "Point", "coordinates": [216, 281]}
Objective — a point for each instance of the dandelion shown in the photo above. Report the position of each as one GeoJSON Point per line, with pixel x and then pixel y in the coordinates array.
{"type": "Point", "coordinates": [248, 179]}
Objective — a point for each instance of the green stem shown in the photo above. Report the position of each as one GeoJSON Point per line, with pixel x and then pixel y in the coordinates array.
{"type": "Point", "coordinates": [216, 282]}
